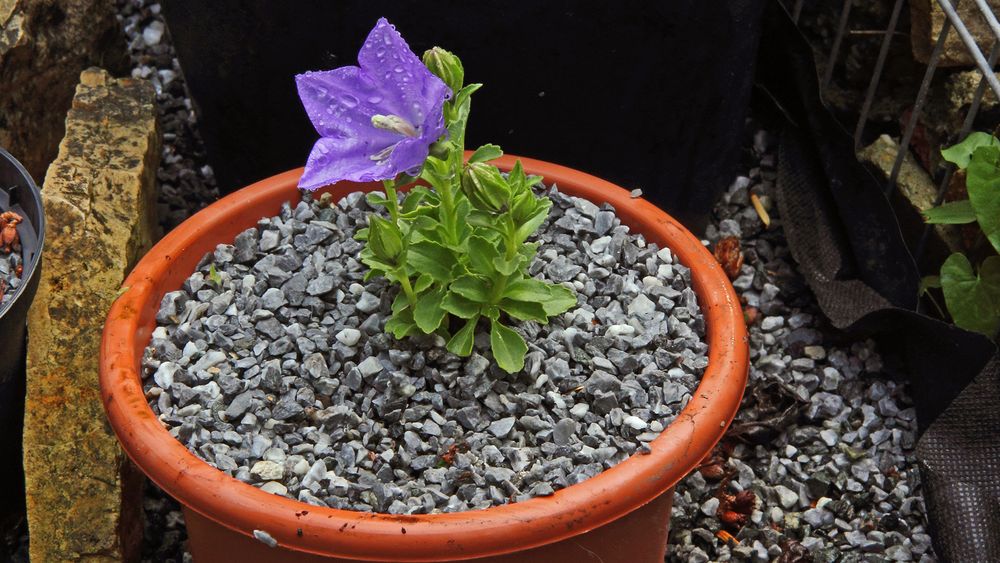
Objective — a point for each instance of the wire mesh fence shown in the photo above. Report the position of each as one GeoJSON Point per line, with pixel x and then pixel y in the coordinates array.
{"type": "Point", "coordinates": [954, 23]}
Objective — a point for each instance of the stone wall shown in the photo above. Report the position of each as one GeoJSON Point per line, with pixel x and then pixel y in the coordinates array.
{"type": "Point", "coordinates": [926, 19]}
{"type": "Point", "coordinates": [82, 493]}
{"type": "Point", "coordinates": [44, 44]}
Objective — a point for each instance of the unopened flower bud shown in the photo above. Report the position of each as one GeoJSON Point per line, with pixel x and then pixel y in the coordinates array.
{"type": "Point", "coordinates": [385, 240]}
{"type": "Point", "coordinates": [446, 66]}
{"type": "Point", "coordinates": [485, 187]}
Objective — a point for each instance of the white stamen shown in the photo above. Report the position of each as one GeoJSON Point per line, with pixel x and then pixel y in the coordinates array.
{"type": "Point", "coordinates": [395, 124]}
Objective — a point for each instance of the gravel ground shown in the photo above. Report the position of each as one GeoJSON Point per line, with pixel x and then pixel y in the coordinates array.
{"type": "Point", "coordinates": [185, 180]}
{"type": "Point", "coordinates": [280, 374]}
{"type": "Point", "coordinates": [825, 438]}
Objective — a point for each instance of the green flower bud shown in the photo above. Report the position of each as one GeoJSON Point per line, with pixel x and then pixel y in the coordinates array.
{"type": "Point", "coordinates": [385, 240]}
{"type": "Point", "coordinates": [446, 66]}
{"type": "Point", "coordinates": [485, 187]}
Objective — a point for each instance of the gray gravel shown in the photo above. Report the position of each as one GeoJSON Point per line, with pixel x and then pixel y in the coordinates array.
{"type": "Point", "coordinates": [279, 373]}
{"type": "Point", "coordinates": [825, 437]}
{"type": "Point", "coordinates": [186, 182]}
{"type": "Point", "coordinates": [9, 280]}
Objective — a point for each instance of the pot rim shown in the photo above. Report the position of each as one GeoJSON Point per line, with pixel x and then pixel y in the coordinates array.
{"type": "Point", "coordinates": [427, 537]}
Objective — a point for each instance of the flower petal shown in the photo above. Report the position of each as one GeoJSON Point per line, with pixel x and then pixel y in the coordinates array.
{"type": "Point", "coordinates": [411, 90]}
{"type": "Point", "coordinates": [333, 160]}
{"type": "Point", "coordinates": [341, 103]}
{"type": "Point", "coordinates": [409, 155]}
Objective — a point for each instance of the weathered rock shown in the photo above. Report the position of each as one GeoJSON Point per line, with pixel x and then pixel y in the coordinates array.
{"type": "Point", "coordinates": [82, 493]}
{"type": "Point", "coordinates": [44, 44]}
{"type": "Point", "coordinates": [915, 192]}
{"type": "Point", "coordinates": [926, 19]}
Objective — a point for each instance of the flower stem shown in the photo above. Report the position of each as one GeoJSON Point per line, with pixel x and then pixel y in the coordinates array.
{"type": "Point", "coordinates": [390, 195]}
{"type": "Point", "coordinates": [404, 281]}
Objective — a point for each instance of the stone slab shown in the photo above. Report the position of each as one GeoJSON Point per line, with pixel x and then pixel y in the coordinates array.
{"type": "Point", "coordinates": [82, 493]}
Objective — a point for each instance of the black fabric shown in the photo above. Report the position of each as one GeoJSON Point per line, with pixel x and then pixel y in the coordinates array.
{"type": "Point", "coordinates": [842, 232]}
{"type": "Point", "coordinates": [650, 95]}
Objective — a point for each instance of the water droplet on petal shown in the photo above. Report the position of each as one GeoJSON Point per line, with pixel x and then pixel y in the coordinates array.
{"type": "Point", "coordinates": [320, 92]}
{"type": "Point", "coordinates": [374, 99]}
{"type": "Point", "coordinates": [387, 39]}
{"type": "Point", "coordinates": [399, 68]}
{"type": "Point", "coordinates": [349, 100]}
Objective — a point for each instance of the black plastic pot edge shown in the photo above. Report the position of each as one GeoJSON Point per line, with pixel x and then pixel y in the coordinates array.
{"type": "Point", "coordinates": [18, 193]}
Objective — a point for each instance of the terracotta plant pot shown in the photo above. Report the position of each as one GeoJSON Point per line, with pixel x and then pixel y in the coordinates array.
{"type": "Point", "coordinates": [620, 515]}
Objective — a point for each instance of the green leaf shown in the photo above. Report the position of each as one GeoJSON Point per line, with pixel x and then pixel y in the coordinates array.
{"type": "Point", "coordinates": [431, 258]}
{"type": "Point", "coordinates": [983, 184]}
{"type": "Point", "coordinates": [507, 267]}
{"type": "Point", "coordinates": [428, 313]}
{"type": "Point", "coordinates": [424, 223]}
{"type": "Point", "coordinates": [530, 289]}
{"type": "Point", "coordinates": [376, 199]}
{"type": "Point", "coordinates": [561, 299]}
{"type": "Point", "coordinates": [385, 240]}
{"type": "Point", "coordinates": [401, 325]}
{"type": "Point", "coordinates": [462, 210]}
{"type": "Point", "coordinates": [482, 252]}
{"type": "Point", "coordinates": [460, 306]}
{"type": "Point", "coordinates": [486, 152]}
{"type": "Point", "coordinates": [530, 225]}
{"type": "Point", "coordinates": [954, 213]}
{"type": "Point", "coordinates": [213, 275]}
{"type": "Point", "coordinates": [423, 282]}
{"type": "Point", "coordinates": [554, 299]}
{"type": "Point", "coordinates": [961, 153]}
{"type": "Point", "coordinates": [399, 303]}
{"type": "Point", "coordinates": [483, 220]}
{"type": "Point", "coordinates": [491, 312]}
{"type": "Point", "coordinates": [473, 288]}
{"type": "Point", "coordinates": [375, 264]}
{"type": "Point", "coordinates": [461, 343]}
{"type": "Point", "coordinates": [524, 310]}
{"type": "Point", "coordinates": [508, 347]}
{"type": "Point", "coordinates": [973, 300]}
{"type": "Point", "coordinates": [462, 104]}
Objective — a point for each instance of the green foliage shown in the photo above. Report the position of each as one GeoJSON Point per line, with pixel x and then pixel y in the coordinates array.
{"type": "Point", "coordinates": [952, 213]}
{"type": "Point", "coordinates": [213, 275]}
{"type": "Point", "coordinates": [459, 250]}
{"type": "Point", "coordinates": [973, 298]}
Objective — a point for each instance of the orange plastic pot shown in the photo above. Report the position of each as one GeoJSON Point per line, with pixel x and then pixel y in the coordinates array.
{"type": "Point", "coordinates": [621, 515]}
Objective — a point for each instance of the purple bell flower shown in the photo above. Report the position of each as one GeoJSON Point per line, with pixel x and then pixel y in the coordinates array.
{"type": "Point", "coordinates": [375, 120]}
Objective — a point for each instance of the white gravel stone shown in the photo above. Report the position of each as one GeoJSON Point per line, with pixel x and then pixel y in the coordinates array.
{"type": "Point", "coordinates": [349, 336]}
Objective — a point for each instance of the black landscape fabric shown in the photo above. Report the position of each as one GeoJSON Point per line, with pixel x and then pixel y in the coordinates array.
{"type": "Point", "coordinates": [842, 232]}
{"type": "Point", "coordinates": [651, 96]}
